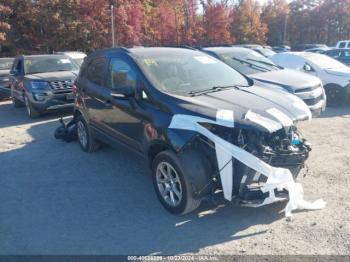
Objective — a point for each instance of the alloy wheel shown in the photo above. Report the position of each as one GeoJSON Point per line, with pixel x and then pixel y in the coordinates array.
{"type": "Point", "coordinates": [82, 134]}
{"type": "Point", "coordinates": [169, 184]}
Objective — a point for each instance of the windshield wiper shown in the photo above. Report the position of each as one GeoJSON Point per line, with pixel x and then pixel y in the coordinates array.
{"type": "Point", "coordinates": [263, 62]}
{"type": "Point", "coordinates": [261, 68]}
{"type": "Point", "coordinates": [212, 89]}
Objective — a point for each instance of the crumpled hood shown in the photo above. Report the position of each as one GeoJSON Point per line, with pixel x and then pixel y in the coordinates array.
{"type": "Point", "coordinates": [255, 98]}
{"type": "Point", "coordinates": [289, 79]}
{"type": "Point", "coordinates": [4, 73]}
{"type": "Point", "coordinates": [54, 76]}
{"type": "Point", "coordinates": [339, 72]}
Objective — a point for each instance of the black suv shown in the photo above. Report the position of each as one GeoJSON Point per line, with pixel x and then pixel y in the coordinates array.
{"type": "Point", "coordinates": [174, 106]}
{"type": "Point", "coordinates": [43, 83]}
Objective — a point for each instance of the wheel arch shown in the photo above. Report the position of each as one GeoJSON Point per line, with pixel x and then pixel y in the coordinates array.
{"type": "Point", "coordinates": [155, 147]}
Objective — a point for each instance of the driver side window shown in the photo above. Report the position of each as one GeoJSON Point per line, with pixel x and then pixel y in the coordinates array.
{"type": "Point", "coordinates": [121, 74]}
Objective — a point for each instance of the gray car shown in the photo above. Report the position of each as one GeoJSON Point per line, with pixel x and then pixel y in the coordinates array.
{"type": "Point", "coordinates": [5, 66]}
{"type": "Point", "coordinates": [43, 83]}
{"type": "Point", "coordinates": [263, 70]}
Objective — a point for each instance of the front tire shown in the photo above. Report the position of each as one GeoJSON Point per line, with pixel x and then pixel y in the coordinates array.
{"type": "Point", "coordinates": [172, 184]}
{"type": "Point", "coordinates": [31, 111]}
{"type": "Point", "coordinates": [86, 141]}
{"type": "Point", "coordinates": [336, 95]}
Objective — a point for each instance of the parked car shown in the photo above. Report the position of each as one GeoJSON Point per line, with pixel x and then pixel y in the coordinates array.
{"type": "Point", "coordinates": [137, 97]}
{"type": "Point", "coordinates": [5, 66]}
{"type": "Point", "coordinates": [303, 47]}
{"type": "Point", "coordinates": [43, 83]}
{"type": "Point", "coordinates": [341, 54]}
{"type": "Point", "coordinates": [259, 68]}
{"type": "Point", "coordinates": [265, 51]}
{"type": "Point", "coordinates": [335, 75]}
{"type": "Point", "coordinates": [343, 44]}
{"type": "Point", "coordinates": [77, 57]}
{"type": "Point", "coordinates": [280, 49]}
{"type": "Point", "coordinates": [319, 50]}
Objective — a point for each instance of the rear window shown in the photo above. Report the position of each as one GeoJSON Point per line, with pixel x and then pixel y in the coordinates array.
{"type": "Point", "coordinates": [342, 45]}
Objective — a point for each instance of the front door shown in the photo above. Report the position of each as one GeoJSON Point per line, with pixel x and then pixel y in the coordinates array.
{"type": "Point", "coordinates": [126, 119]}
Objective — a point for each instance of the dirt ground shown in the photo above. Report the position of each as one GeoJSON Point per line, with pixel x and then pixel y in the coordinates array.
{"type": "Point", "coordinates": [55, 199]}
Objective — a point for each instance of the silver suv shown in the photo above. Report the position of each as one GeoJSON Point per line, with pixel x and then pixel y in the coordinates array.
{"type": "Point", "coordinates": [261, 69]}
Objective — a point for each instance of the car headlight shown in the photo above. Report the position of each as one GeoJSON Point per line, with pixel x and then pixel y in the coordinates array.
{"type": "Point", "coordinates": [39, 85]}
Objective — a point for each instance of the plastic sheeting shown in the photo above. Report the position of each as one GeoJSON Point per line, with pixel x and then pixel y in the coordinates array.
{"type": "Point", "coordinates": [278, 178]}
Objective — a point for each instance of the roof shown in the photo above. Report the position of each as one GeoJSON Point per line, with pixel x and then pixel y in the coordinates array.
{"type": "Point", "coordinates": [226, 50]}
{"type": "Point", "coordinates": [143, 51]}
{"type": "Point", "coordinates": [38, 56]}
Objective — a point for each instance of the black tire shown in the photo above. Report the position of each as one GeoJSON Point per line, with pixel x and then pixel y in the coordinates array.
{"type": "Point", "coordinates": [17, 103]}
{"type": "Point", "coordinates": [31, 111]}
{"type": "Point", "coordinates": [4, 96]}
{"type": "Point", "coordinates": [91, 144]}
{"type": "Point", "coordinates": [336, 95]}
{"type": "Point", "coordinates": [187, 203]}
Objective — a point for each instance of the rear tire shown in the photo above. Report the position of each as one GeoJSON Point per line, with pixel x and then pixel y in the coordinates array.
{"type": "Point", "coordinates": [336, 95]}
{"type": "Point", "coordinates": [172, 185]}
{"type": "Point", "coordinates": [86, 141]}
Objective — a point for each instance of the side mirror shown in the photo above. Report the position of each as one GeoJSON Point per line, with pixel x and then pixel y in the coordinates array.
{"type": "Point", "coordinates": [13, 72]}
{"type": "Point", "coordinates": [123, 92]}
{"type": "Point", "coordinates": [307, 68]}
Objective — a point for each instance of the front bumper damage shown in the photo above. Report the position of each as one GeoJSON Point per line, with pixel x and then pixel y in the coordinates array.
{"type": "Point", "coordinates": [268, 176]}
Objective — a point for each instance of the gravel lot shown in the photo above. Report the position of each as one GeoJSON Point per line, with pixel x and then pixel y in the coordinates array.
{"type": "Point", "coordinates": [55, 199]}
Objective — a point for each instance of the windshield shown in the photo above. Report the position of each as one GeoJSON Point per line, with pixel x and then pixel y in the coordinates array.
{"type": "Point", "coordinates": [187, 72]}
{"type": "Point", "coordinates": [265, 52]}
{"type": "Point", "coordinates": [6, 64]}
{"type": "Point", "coordinates": [248, 62]}
{"type": "Point", "coordinates": [45, 64]}
{"type": "Point", "coordinates": [78, 61]}
{"type": "Point", "coordinates": [325, 62]}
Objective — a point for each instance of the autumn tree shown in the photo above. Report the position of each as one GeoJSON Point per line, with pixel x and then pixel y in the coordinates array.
{"type": "Point", "coordinates": [275, 15]}
{"type": "Point", "coordinates": [4, 25]}
{"type": "Point", "coordinates": [217, 22]}
{"type": "Point", "coordinates": [247, 26]}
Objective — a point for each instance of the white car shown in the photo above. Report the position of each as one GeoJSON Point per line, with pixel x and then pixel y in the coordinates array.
{"type": "Point", "coordinates": [76, 56]}
{"type": "Point", "coordinates": [334, 75]}
{"type": "Point", "coordinates": [343, 44]}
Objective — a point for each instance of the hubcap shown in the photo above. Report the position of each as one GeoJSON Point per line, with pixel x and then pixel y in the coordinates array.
{"type": "Point", "coordinates": [82, 135]}
{"type": "Point", "coordinates": [169, 185]}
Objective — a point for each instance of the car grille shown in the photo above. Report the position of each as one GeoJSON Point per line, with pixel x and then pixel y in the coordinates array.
{"type": "Point", "coordinates": [61, 84]}
{"type": "Point", "coordinates": [308, 89]}
{"type": "Point", "coordinates": [313, 101]}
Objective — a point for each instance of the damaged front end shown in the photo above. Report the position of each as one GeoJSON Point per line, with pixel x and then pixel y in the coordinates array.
{"type": "Point", "coordinates": [284, 148]}
{"type": "Point", "coordinates": [257, 165]}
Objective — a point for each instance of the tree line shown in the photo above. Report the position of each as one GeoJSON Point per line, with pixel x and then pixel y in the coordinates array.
{"type": "Point", "coordinates": [51, 25]}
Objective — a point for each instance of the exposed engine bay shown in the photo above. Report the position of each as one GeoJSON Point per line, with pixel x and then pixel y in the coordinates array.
{"type": "Point", "coordinates": [284, 148]}
{"type": "Point", "coordinates": [253, 165]}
